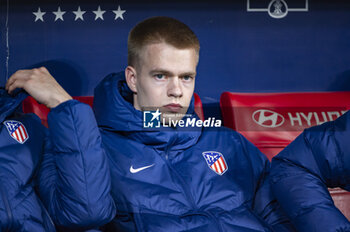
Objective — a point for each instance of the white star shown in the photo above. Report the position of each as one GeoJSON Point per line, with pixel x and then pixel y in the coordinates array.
{"type": "Point", "coordinates": [79, 14]}
{"type": "Point", "coordinates": [155, 115]}
{"type": "Point", "coordinates": [119, 13]}
{"type": "Point", "coordinates": [99, 13]}
{"type": "Point", "coordinates": [39, 15]}
{"type": "Point", "coordinates": [59, 14]}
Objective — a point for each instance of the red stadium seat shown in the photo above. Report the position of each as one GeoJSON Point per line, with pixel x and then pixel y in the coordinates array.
{"type": "Point", "coordinates": [272, 120]}
{"type": "Point", "coordinates": [198, 107]}
{"type": "Point", "coordinates": [85, 99]}
{"type": "Point", "coordinates": [30, 105]}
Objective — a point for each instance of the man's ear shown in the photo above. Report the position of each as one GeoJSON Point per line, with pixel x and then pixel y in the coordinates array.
{"type": "Point", "coordinates": [130, 76]}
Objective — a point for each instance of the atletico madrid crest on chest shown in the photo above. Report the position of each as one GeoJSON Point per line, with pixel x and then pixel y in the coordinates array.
{"type": "Point", "coordinates": [17, 131]}
{"type": "Point", "coordinates": [215, 161]}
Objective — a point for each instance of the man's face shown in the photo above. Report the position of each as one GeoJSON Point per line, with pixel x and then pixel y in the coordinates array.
{"type": "Point", "coordinates": [165, 79]}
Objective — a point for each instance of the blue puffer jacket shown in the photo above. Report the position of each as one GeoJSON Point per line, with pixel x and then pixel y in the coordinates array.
{"type": "Point", "coordinates": [317, 159]}
{"type": "Point", "coordinates": [21, 148]}
{"type": "Point", "coordinates": [161, 180]}
{"type": "Point", "coordinates": [72, 180]}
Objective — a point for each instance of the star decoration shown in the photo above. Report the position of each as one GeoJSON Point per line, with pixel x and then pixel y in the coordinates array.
{"type": "Point", "coordinates": [59, 14]}
{"type": "Point", "coordinates": [156, 115]}
{"type": "Point", "coordinates": [99, 13]}
{"type": "Point", "coordinates": [79, 14]}
{"type": "Point", "coordinates": [39, 15]}
{"type": "Point", "coordinates": [119, 13]}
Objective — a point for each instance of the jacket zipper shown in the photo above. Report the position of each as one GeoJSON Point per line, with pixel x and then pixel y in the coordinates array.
{"type": "Point", "coordinates": [215, 220]}
{"type": "Point", "coordinates": [8, 209]}
{"type": "Point", "coordinates": [47, 221]}
{"type": "Point", "coordinates": [188, 193]}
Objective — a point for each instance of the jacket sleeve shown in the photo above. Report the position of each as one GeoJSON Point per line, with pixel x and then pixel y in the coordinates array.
{"type": "Point", "coordinates": [317, 159]}
{"type": "Point", "coordinates": [74, 178]}
{"type": "Point", "coordinates": [264, 202]}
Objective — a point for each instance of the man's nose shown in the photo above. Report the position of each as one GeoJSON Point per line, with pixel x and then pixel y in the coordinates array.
{"type": "Point", "coordinates": [174, 87]}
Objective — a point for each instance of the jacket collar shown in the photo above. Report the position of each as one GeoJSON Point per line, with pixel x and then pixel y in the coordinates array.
{"type": "Point", "coordinates": [115, 112]}
{"type": "Point", "coordinates": [10, 103]}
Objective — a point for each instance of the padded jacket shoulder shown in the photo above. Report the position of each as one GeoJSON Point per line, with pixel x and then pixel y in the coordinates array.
{"type": "Point", "coordinates": [74, 179]}
{"type": "Point", "coordinates": [21, 148]}
{"type": "Point", "coordinates": [317, 159]}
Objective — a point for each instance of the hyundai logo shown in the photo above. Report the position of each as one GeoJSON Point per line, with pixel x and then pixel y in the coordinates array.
{"type": "Point", "coordinates": [268, 118]}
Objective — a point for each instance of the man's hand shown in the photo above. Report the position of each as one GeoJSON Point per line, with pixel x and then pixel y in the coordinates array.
{"type": "Point", "coordinates": [40, 85]}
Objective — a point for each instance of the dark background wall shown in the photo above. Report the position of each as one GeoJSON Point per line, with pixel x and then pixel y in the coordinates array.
{"type": "Point", "coordinates": [240, 50]}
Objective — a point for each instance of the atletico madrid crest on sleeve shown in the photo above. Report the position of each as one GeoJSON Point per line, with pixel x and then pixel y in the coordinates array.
{"type": "Point", "coordinates": [17, 131]}
{"type": "Point", "coordinates": [215, 161]}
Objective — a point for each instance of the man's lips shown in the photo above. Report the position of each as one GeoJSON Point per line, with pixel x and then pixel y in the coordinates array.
{"type": "Point", "coordinates": [173, 107]}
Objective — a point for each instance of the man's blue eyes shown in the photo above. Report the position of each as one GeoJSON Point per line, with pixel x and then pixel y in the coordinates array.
{"type": "Point", "coordinates": [159, 76]}
{"type": "Point", "coordinates": [162, 76]}
{"type": "Point", "coordinates": [187, 78]}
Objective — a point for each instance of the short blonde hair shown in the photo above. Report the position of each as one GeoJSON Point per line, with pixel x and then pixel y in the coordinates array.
{"type": "Point", "coordinates": [157, 30]}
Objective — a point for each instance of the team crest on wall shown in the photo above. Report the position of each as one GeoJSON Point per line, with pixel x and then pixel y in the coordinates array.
{"type": "Point", "coordinates": [277, 8]}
